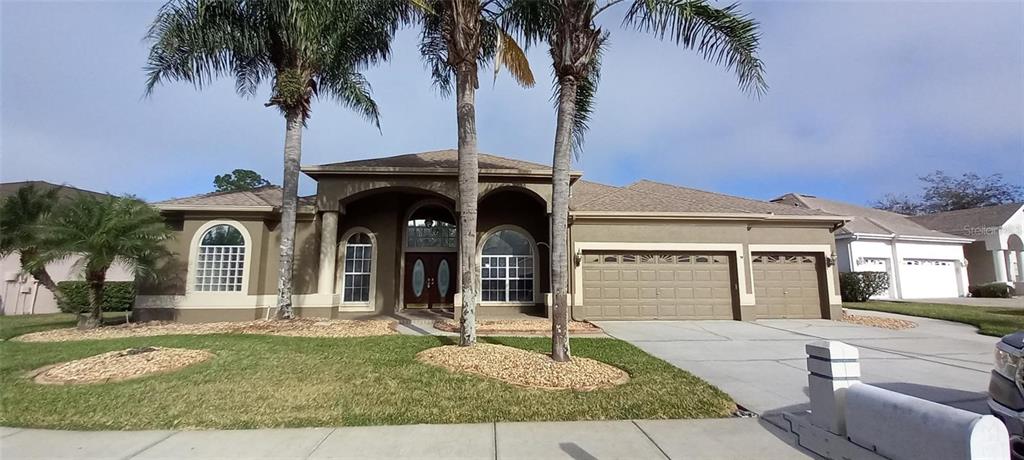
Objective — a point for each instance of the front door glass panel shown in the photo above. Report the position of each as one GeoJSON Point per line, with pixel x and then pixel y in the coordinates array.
{"type": "Point", "coordinates": [418, 277]}
{"type": "Point", "coordinates": [443, 278]}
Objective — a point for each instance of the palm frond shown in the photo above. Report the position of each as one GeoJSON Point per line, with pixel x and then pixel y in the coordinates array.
{"type": "Point", "coordinates": [586, 94]}
{"type": "Point", "coordinates": [352, 90]}
{"type": "Point", "coordinates": [20, 213]}
{"type": "Point", "coordinates": [724, 36]}
{"type": "Point", "coordinates": [434, 48]}
{"type": "Point", "coordinates": [509, 55]}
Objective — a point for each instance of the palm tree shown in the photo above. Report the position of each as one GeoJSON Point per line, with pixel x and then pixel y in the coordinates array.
{"type": "Point", "coordinates": [20, 215]}
{"type": "Point", "coordinates": [306, 48]}
{"type": "Point", "coordinates": [99, 232]}
{"type": "Point", "coordinates": [458, 36]}
{"type": "Point", "coordinates": [724, 36]}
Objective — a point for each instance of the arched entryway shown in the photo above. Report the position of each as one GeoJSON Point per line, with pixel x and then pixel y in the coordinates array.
{"type": "Point", "coordinates": [429, 256]}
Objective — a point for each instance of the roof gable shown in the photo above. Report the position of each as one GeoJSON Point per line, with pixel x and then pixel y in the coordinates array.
{"type": "Point", "coordinates": [439, 160]}
{"type": "Point", "coordinates": [964, 220]}
{"type": "Point", "coordinates": [259, 197]}
{"type": "Point", "coordinates": [867, 221]}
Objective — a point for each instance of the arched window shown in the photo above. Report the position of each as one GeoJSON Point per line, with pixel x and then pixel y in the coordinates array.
{"type": "Point", "coordinates": [506, 268]}
{"type": "Point", "coordinates": [431, 227]}
{"type": "Point", "coordinates": [220, 260]}
{"type": "Point", "coordinates": [358, 268]}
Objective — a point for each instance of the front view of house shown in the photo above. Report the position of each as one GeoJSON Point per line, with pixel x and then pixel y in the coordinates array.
{"type": "Point", "coordinates": [380, 237]}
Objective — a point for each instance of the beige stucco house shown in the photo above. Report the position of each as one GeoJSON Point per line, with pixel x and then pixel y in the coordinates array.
{"type": "Point", "coordinates": [379, 238]}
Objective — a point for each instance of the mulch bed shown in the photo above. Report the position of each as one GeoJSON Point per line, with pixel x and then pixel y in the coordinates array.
{"type": "Point", "coordinates": [525, 368]}
{"type": "Point", "coordinates": [877, 321]}
{"type": "Point", "coordinates": [120, 365]}
{"type": "Point", "coordinates": [294, 328]}
{"type": "Point", "coordinates": [517, 326]}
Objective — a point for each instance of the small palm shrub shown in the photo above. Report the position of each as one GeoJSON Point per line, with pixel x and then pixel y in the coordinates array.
{"type": "Point", "coordinates": [860, 286]}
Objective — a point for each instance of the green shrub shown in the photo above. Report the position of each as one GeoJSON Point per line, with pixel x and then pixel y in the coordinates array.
{"type": "Point", "coordinates": [117, 296]}
{"type": "Point", "coordinates": [992, 290]}
{"type": "Point", "coordinates": [860, 286]}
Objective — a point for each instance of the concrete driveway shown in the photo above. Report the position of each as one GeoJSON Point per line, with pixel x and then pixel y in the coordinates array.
{"type": "Point", "coordinates": [763, 364]}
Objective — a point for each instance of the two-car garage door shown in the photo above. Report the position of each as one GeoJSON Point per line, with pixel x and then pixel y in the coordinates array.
{"type": "Point", "coordinates": [692, 285]}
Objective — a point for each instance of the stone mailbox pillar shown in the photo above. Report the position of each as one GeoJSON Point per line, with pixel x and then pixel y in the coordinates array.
{"type": "Point", "coordinates": [833, 367]}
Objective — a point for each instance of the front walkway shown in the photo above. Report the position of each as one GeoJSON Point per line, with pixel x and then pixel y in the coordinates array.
{"type": "Point", "coordinates": [763, 364]}
{"type": "Point", "coordinates": [736, 438]}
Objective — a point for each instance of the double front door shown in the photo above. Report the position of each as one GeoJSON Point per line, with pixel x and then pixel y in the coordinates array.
{"type": "Point", "coordinates": [430, 279]}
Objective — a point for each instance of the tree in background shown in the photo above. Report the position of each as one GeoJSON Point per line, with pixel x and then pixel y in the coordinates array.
{"type": "Point", "coordinates": [20, 215]}
{"type": "Point", "coordinates": [305, 48]}
{"type": "Point", "coordinates": [99, 232]}
{"type": "Point", "coordinates": [457, 37]}
{"type": "Point", "coordinates": [945, 193]}
{"type": "Point", "coordinates": [239, 180]}
{"type": "Point", "coordinates": [724, 36]}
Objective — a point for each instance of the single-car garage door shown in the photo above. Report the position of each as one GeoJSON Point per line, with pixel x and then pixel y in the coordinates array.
{"type": "Point", "coordinates": [786, 285]}
{"type": "Point", "coordinates": [924, 278]}
{"type": "Point", "coordinates": [649, 285]}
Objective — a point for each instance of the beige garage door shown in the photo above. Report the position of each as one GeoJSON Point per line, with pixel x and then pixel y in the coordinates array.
{"type": "Point", "coordinates": [648, 285]}
{"type": "Point", "coordinates": [786, 286]}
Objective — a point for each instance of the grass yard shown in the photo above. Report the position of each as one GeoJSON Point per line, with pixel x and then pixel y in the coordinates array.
{"type": "Point", "coordinates": [265, 381]}
{"type": "Point", "coordinates": [989, 321]}
{"type": "Point", "coordinates": [15, 325]}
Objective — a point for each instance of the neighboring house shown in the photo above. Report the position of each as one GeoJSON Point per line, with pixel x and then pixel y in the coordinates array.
{"type": "Point", "coordinates": [921, 262]}
{"type": "Point", "coordinates": [21, 293]}
{"type": "Point", "coordinates": [380, 237]}
{"type": "Point", "coordinates": [996, 252]}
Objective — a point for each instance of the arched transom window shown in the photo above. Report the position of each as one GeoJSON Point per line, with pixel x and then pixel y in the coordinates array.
{"type": "Point", "coordinates": [358, 268]}
{"type": "Point", "coordinates": [220, 260]}
{"type": "Point", "coordinates": [506, 265]}
{"type": "Point", "coordinates": [431, 227]}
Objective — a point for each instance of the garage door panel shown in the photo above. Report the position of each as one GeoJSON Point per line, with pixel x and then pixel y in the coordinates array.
{"type": "Point", "coordinates": [658, 286]}
{"type": "Point", "coordinates": [786, 285]}
{"type": "Point", "coordinates": [923, 278]}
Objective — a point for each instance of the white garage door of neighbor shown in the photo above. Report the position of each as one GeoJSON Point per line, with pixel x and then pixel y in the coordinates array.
{"type": "Point", "coordinates": [925, 278]}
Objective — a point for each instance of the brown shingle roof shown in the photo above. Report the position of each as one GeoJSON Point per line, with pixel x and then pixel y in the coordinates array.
{"type": "Point", "coordinates": [966, 221]}
{"type": "Point", "coordinates": [437, 159]}
{"type": "Point", "coordinates": [866, 220]}
{"type": "Point", "coordinates": [63, 191]}
{"type": "Point", "coordinates": [268, 195]}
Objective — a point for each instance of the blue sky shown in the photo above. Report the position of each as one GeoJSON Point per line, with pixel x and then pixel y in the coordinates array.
{"type": "Point", "coordinates": [864, 97]}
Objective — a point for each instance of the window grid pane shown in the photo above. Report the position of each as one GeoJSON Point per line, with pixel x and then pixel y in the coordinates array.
{"type": "Point", "coordinates": [220, 268]}
{"type": "Point", "coordinates": [506, 278]}
{"type": "Point", "coordinates": [358, 266]}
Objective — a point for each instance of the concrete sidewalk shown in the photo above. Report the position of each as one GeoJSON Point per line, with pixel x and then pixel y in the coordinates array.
{"type": "Point", "coordinates": [735, 438]}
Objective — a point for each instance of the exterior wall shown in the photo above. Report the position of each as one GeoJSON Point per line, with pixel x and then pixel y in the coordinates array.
{"type": "Point", "coordinates": [740, 238]}
{"type": "Point", "coordinates": [980, 269]}
{"type": "Point", "coordinates": [22, 294]}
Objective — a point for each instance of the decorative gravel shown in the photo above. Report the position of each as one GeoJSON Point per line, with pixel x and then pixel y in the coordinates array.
{"type": "Point", "coordinates": [121, 365]}
{"type": "Point", "coordinates": [525, 368]}
{"type": "Point", "coordinates": [295, 328]}
{"type": "Point", "coordinates": [517, 326]}
{"type": "Point", "coordinates": [878, 321]}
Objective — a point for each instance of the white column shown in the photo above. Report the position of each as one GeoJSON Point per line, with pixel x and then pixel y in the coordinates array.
{"type": "Point", "coordinates": [1020, 266]}
{"type": "Point", "coordinates": [328, 251]}
{"type": "Point", "coordinates": [999, 261]}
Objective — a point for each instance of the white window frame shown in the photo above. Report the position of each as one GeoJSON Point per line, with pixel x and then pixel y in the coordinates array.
{"type": "Point", "coordinates": [533, 256]}
{"type": "Point", "coordinates": [193, 259]}
{"type": "Point", "coordinates": [340, 276]}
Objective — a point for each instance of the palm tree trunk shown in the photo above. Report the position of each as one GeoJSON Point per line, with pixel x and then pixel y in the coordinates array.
{"type": "Point", "coordinates": [289, 202]}
{"type": "Point", "coordinates": [561, 165]}
{"type": "Point", "coordinates": [469, 171]}
{"type": "Point", "coordinates": [95, 279]}
{"type": "Point", "coordinates": [40, 274]}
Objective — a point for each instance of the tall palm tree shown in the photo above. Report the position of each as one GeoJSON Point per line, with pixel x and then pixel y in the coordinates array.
{"type": "Point", "coordinates": [458, 36]}
{"type": "Point", "coordinates": [20, 215]}
{"type": "Point", "coordinates": [306, 48]}
{"type": "Point", "coordinates": [99, 232]}
{"type": "Point", "coordinates": [724, 36]}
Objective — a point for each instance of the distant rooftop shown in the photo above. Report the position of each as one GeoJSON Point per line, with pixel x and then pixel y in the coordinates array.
{"type": "Point", "coordinates": [866, 220]}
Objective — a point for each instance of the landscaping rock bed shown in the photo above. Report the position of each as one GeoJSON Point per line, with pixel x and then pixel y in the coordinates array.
{"type": "Point", "coordinates": [525, 368]}
{"type": "Point", "coordinates": [120, 365]}
{"type": "Point", "coordinates": [878, 321]}
{"type": "Point", "coordinates": [517, 326]}
{"type": "Point", "coordinates": [294, 328]}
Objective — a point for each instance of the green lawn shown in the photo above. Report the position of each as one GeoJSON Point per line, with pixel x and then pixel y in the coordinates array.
{"type": "Point", "coordinates": [265, 381]}
{"type": "Point", "coordinates": [989, 321]}
{"type": "Point", "coordinates": [15, 325]}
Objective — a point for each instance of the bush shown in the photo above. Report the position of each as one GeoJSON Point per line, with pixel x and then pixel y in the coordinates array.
{"type": "Point", "coordinates": [992, 290]}
{"type": "Point", "coordinates": [74, 298]}
{"type": "Point", "coordinates": [860, 286]}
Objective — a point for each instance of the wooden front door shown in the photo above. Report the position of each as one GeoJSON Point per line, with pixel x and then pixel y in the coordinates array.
{"type": "Point", "coordinates": [430, 279]}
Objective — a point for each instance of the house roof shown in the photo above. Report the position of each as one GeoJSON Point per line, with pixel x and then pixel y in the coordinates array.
{"type": "Point", "coordinates": [866, 221]}
{"type": "Point", "coordinates": [962, 221]}
{"type": "Point", "coordinates": [432, 162]}
{"type": "Point", "coordinates": [63, 191]}
{"type": "Point", "coordinates": [264, 198]}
